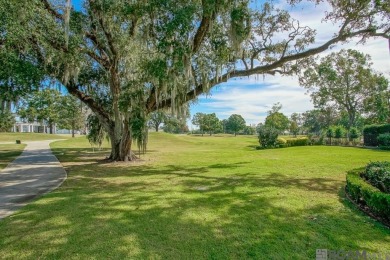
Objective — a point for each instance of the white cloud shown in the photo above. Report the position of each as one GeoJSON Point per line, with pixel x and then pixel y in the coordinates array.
{"type": "Point", "coordinates": [252, 98]}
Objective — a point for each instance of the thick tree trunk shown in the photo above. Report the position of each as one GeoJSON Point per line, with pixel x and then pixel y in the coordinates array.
{"type": "Point", "coordinates": [156, 128]}
{"type": "Point", "coordinates": [121, 144]}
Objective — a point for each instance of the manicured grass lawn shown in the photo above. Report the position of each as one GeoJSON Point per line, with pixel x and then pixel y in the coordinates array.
{"type": "Point", "coordinates": [12, 137]}
{"type": "Point", "coordinates": [8, 152]}
{"type": "Point", "coordinates": [197, 198]}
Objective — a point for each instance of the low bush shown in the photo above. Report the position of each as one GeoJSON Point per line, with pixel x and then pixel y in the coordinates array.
{"type": "Point", "coordinates": [364, 193]}
{"type": "Point", "coordinates": [281, 142]}
{"type": "Point", "coordinates": [301, 141]}
{"type": "Point", "coordinates": [384, 141]}
{"type": "Point", "coordinates": [354, 133]}
{"type": "Point", "coordinates": [315, 139]}
{"type": "Point", "coordinates": [267, 136]}
{"type": "Point", "coordinates": [378, 174]}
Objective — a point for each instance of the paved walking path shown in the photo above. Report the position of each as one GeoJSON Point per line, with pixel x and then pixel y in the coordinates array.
{"type": "Point", "coordinates": [35, 172]}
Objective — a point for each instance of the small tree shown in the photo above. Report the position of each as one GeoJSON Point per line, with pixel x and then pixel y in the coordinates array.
{"type": "Point", "coordinates": [330, 134]}
{"type": "Point", "coordinates": [43, 106]}
{"type": "Point", "coordinates": [354, 133]}
{"type": "Point", "coordinates": [339, 133]}
{"type": "Point", "coordinates": [235, 123]}
{"type": "Point", "coordinates": [249, 130]}
{"type": "Point", "coordinates": [156, 119]}
{"type": "Point", "coordinates": [175, 125]}
{"type": "Point", "coordinates": [268, 136]}
{"type": "Point", "coordinates": [7, 120]}
{"type": "Point", "coordinates": [211, 123]}
{"type": "Point", "coordinates": [276, 119]}
{"type": "Point", "coordinates": [295, 123]}
{"type": "Point", "coordinates": [198, 120]}
{"type": "Point", "coordinates": [72, 114]}
{"type": "Point", "coordinates": [294, 129]}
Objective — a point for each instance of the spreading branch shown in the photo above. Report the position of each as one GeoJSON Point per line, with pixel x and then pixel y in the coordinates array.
{"type": "Point", "coordinates": [271, 68]}
{"type": "Point", "coordinates": [74, 90]}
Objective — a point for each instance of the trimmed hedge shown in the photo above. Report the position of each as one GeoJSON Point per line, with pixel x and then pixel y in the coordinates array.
{"type": "Point", "coordinates": [384, 141]}
{"type": "Point", "coordinates": [372, 132]}
{"type": "Point", "coordinates": [361, 191]}
{"type": "Point", "coordinates": [301, 141]}
{"type": "Point", "coordinates": [378, 174]}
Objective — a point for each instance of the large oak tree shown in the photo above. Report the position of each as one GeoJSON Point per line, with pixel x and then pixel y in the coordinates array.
{"type": "Point", "coordinates": [125, 59]}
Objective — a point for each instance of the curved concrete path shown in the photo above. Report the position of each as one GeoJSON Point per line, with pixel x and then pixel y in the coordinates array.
{"type": "Point", "coordinates": [35, 172]}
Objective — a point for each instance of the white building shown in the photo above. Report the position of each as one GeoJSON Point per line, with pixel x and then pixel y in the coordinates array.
{"type": "Point", "coordinates": [22, 126]}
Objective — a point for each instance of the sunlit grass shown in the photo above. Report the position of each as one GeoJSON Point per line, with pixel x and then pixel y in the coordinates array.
{"type": "Point", "coordinates": [194, 197]}
{"type": "Point", "coordinates": [12, 137]}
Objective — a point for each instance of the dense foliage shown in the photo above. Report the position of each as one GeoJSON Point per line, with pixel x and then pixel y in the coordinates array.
{"type": "Point", "coordinates": [384, 141]}
{"type": "Point", "coordinates": [372, 132]}
{"type": "Point", "coordinates": [6, 121]}
{"type": "Point", "coordinates": [345, 79]}
{"type": "Point", "coordinates": [301, 141]}
{"type": "Point", "coordinates": [72, 114]}
{"type": "Point", "coordinates": [156, 119]}
{"type": "Point", "coordinates": [235, 123]}
{"type": "Point", "coordinates": [378, 174]}
{"type": "Point", "coordinates": [267, 136]}
{"type": "Point", "coordinates": [208, 123]}
{"type": "Point", "coordinates": [126, 59]}
{"type": "Point", "coordinates": [276, 119]}
{"type": "Point", "coordinates": [362, 192]}
{"type": "Point", "coordinates": [96, 133]}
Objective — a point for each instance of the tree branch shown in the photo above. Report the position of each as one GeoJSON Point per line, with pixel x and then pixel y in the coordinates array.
{"type": "Point", "coordinates": [50, 9]}
{"type": "Point", "coordinates": [269, 68]}
{"type": "Point", "coordinates": [102, 61]}
{"type": "Point", "coordinates": [203, 28]}
{"type": "Point", "coordinates": [73, 89]}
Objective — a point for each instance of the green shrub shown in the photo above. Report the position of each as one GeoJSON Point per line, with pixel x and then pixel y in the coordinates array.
{"type": "Point", "coordinates": [7, 120]}
{"type": "Point", "coordinates": [339, 132]}
{"type": "Point", "coordinates": [362, 192]}
{"type": "Point", "coordinates": [268, 136]}
{"type": "Point", "coordinates": [330, 133]}
{"type": "Point", "coordinates": [372, 132]}
{"type": "Point", "coordinates": [384, 141]}
{"type": "Point", "coordinates": [281, 142]}
{"type": "Point", "coordinates": [378, 174]}
{"type": "Point", "coordinates": [315, 139]}
{"type": "Point", "coordinates": [354, 133]}
{"type": "Point", "coordinates": [301, 141]}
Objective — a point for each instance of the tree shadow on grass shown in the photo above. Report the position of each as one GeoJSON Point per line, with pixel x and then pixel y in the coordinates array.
{"type": "Point", "coordinates": [217, 211]}
{"type": "Point", "coordinates": [141, 222]}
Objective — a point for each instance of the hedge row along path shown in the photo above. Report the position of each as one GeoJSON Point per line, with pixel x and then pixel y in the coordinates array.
{"type": "Point", "coordinates": [35, 172]}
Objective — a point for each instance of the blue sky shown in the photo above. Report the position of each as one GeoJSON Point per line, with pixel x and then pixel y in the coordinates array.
{"type": "Point", "coordinates": [252, 97]}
